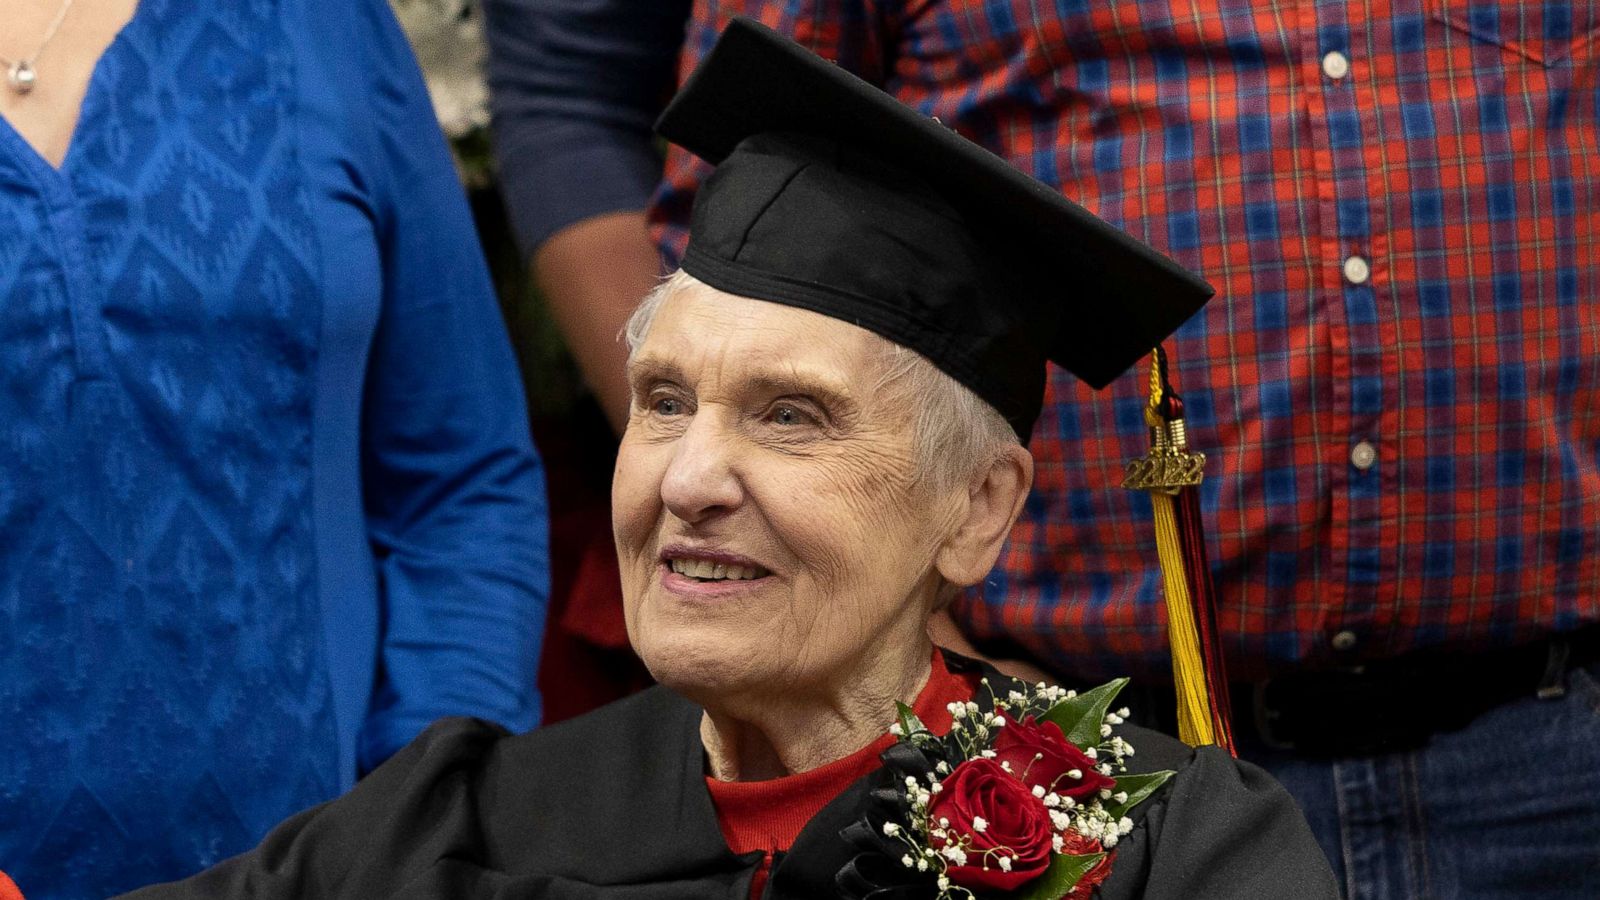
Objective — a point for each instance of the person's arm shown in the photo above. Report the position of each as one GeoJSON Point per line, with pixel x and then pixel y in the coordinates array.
{"type": "Point", "coordinates": [452, 488]}
{"type": "Point", "coordinates": [593, 274]}
{"type": "Point", "coordinates": [576, 86]}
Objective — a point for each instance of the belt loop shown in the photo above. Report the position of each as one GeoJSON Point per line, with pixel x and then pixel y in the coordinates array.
{"type": "Point", "coordinates": [1553, 685]}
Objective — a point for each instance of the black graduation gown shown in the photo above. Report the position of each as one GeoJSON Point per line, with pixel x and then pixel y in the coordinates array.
{"type": "Point", "coordinates": [613, 805]}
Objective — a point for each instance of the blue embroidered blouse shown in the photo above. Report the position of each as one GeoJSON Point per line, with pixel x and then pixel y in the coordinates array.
{"type": "Point", "coordinates": [268, 505]}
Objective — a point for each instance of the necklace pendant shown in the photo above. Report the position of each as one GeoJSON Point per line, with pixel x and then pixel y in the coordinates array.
{"type": "Point", "coordinates": [22, 76]}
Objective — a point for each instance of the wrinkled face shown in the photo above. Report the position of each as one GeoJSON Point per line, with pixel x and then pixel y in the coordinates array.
{"type": "Point", "coordinates": [770, 525]}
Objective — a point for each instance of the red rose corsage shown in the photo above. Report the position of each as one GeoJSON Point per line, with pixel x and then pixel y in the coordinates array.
{"type": "Point", "coordinates": [1026, 799]}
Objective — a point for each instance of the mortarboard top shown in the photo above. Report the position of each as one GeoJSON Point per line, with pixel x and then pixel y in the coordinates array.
{"type": "Point", "coordinates": [831, 196]}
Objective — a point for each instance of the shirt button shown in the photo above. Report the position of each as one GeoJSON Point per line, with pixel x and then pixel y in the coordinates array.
{"type": "Point", "coordinates": [1335, 65]}
{"type": "Point", "coordinates": [1356, 270]}
{"type": "Point", "coordinates": [1363, 455]}
{"type": "Point", "coordinates": [1344, 640]}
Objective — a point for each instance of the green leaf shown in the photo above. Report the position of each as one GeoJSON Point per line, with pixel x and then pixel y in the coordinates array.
{"type": "Point", "coordinates": [1064, 872]}
{"type": "Point", "coordinates": [1138, 787]}
{"type": "Point", "coordinates": [909, 723]}
{"type": "Point", "coordinates": [1080, 718]}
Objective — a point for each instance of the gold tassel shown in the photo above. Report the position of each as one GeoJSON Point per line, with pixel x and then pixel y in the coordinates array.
{"type": "Point", "coordinates": [1188, 669]}
{"type": "Point", "coordinates": [1167, 469]}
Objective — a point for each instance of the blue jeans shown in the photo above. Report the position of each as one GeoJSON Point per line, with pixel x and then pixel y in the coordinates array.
{"type": "Point", "coordinates": [1508, 807]}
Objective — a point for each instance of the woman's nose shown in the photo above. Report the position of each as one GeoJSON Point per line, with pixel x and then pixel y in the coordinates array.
{"type": "Point", "coordinates": [702, 480]}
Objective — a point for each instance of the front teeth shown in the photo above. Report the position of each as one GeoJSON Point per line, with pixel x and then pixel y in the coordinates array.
{"type": "Point", "coordinates": [700, 568]}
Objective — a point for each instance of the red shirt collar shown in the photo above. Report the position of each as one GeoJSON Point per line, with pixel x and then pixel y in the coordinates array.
{"type": "Point", "coordinates": [768, 815]}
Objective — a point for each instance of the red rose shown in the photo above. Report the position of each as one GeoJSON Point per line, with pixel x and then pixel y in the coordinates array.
{"type": "Point", "coordinates": [1075, 844]}
{"type": "Point", "coordinates": [1003, 820]}
{"type": "Point", "coordinates": [1039, 754]}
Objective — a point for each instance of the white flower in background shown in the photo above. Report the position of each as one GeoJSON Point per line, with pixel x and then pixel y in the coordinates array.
{"type": "Point", "coordinates": [447, 36]}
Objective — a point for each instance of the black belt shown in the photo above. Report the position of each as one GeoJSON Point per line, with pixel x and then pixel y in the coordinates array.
{"type": "Point", "coordinates": [1397, 704]}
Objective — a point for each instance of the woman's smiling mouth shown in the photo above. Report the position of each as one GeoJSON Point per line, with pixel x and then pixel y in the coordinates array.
{"type": "Point", "coordinates": [706, 570]}
{"type": "Point", "coordinates": [702, 571]}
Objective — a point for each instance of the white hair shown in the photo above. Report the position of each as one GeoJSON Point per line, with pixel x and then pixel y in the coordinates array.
{"type": "Point", "coordinates": [956, 433]}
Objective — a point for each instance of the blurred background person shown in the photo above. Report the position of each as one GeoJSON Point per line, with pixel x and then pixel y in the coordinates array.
{"type": "Point", "coordinates": [1397, 386]}
{"type": "Point", "coordinates": [268, 504]}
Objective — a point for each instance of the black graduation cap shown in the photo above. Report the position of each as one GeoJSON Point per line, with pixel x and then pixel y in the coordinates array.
{"type": "Point", "coordinates": [831, 196]}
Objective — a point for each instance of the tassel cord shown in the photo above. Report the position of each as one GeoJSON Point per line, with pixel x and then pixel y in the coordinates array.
{"type": "Point", "coordinates": [1188, 664]}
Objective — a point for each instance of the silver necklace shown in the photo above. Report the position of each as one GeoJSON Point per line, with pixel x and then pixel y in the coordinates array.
{"type": "Point", "coordinates": [20, 72]}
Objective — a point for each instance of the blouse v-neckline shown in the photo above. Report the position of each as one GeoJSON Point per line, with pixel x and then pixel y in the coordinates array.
{"type": "Point", "coordinates": [31, 156]}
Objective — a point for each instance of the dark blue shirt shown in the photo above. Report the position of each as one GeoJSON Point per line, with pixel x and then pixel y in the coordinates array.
{"type": "Point", "coordinates": [268, 504]}
{"type": "Point", "coordinates": [577, 85]}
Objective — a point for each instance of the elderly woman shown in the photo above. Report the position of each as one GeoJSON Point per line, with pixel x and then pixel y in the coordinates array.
{"type": "Point", "coordinates": [830, 405]}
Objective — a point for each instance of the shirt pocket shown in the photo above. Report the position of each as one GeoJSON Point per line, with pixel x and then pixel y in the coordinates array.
{"type": "Point", "coordinates": [1549, 33]}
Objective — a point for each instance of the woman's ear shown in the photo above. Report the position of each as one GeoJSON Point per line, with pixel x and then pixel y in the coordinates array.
{"type": "Point", "coordinates": [994, 500]}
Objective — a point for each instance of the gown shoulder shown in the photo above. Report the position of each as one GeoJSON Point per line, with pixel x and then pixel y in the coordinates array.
{"type": "Point", "coordinates": [610, 805]}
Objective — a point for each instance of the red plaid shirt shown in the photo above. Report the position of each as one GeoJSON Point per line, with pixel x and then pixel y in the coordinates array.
{"type": "Point", "coordinates": [1398, 385]}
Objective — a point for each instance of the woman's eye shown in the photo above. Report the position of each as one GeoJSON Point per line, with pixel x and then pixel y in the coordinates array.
{"type": "Point", "coordinates": [784, 414]}
{"type": "Point", "coordinates": [668, 406]}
